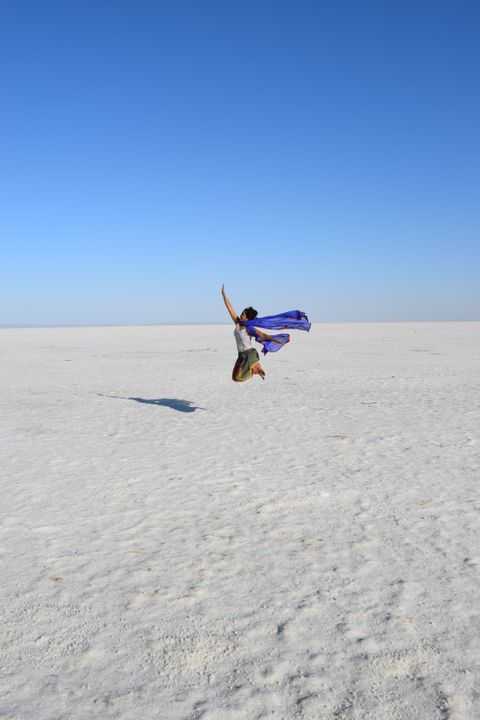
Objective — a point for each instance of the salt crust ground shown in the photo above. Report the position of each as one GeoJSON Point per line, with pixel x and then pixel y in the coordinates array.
{"type": "Point", "coordinates": [307, 547]}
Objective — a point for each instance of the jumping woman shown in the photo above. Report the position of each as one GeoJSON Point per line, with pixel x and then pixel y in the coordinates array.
{"type": "Point", "coordinates": [247, 327]}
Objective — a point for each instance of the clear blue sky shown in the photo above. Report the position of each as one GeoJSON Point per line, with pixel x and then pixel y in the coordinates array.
{"type": "Point", "coordinates": [316, 156]}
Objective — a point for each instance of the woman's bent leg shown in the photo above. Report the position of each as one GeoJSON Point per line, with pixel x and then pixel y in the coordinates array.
{"type": "Point", "coordinates": [258, 370]}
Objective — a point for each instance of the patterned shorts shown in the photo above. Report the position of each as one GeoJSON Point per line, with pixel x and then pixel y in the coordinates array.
{"type": "Point", "coordinates": [243, 367]}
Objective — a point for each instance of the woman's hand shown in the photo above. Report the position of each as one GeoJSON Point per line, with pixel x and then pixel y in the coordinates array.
{"type": "Point", "coordinates": [228, 305]}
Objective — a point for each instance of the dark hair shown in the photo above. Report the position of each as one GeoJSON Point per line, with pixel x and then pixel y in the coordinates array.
{"type": "Point", "coordinates": [251, 313]}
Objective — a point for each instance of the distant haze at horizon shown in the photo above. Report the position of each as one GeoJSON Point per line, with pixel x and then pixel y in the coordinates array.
{"type": "Point", "coordinates": [315, 158]}
{"type": "Point", "coordinates": [226, 324]}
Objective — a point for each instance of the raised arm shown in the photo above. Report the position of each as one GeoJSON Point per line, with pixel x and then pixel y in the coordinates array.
{"type": "Point", "coordinates": [229, 307]}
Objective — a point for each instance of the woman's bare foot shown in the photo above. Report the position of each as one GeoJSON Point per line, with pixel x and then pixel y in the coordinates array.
{"type": "Point", "coordinates": [258, 370]}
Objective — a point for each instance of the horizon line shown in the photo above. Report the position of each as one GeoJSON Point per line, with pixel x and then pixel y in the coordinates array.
{"type": "Point", "coordinates": [39, 326]}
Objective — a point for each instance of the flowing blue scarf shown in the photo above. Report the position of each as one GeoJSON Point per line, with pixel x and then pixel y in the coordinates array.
{"type": "Point", "coordinates": [293, 320]}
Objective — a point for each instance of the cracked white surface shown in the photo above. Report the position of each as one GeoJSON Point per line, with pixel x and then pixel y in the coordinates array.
{"type": "Point", "coordinates": [307, 547]}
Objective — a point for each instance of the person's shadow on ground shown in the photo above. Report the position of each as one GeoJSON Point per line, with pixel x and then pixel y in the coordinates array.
{"type": "Point", "coordinates": [185, 406]}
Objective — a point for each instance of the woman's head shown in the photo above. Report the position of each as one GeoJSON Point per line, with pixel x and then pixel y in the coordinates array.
{"type": "Point", "coordinates": [249, 314]}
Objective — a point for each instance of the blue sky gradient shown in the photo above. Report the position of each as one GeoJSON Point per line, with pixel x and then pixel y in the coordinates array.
{"type": "Point", "coordinates": [325, 158]}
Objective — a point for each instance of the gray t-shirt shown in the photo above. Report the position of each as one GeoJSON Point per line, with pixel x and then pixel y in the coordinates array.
{"type": "Point", "coordinates": [242, 338]}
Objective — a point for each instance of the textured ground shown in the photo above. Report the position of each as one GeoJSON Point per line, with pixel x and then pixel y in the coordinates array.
{"type": "Point", "coordinates": [176, 546]}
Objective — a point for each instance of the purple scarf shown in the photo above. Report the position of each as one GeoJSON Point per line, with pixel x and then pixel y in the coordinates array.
{"type": "Point", "coordinates": [293, 319]}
